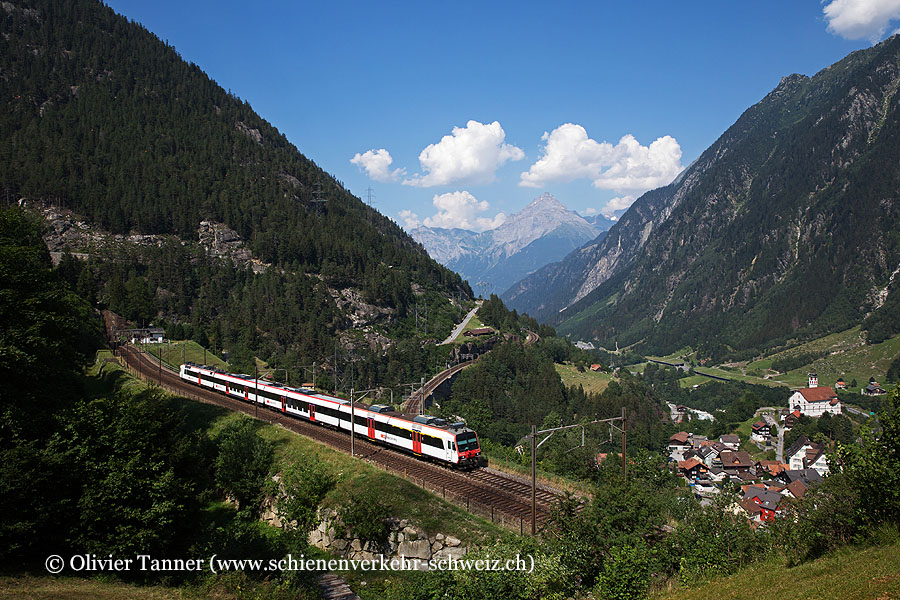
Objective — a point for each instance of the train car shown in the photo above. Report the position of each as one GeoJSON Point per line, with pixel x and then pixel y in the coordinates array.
{"type": "Point", "coordinates": [423, 436]}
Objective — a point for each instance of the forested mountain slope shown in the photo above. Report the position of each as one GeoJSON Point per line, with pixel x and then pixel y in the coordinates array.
{"type": "Point", "coordinates": [786, 227]}
{"type": "Point", "coordinates": [101, 117]}
{"type": "Point", "coordinates": [105, 117]}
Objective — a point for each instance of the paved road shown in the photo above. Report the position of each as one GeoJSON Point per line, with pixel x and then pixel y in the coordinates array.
{"type": "Point", "coordinates": [779, 449]}
{"type": "Point", "coordinates": [455, 333]}
{"type": "Point", "coordinates": [773, 422]}
{"type": "Point", "coordinates": [856, 411]}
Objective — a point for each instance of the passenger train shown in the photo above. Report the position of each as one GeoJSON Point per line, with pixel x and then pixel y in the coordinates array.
{"type": "Point", "coordinates": [424, 436]}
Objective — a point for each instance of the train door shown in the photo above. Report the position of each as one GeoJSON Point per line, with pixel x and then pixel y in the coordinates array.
{"type": "Point", "coordinates": [449, 450]}
{"type": "Point", "coordinates": [312, 411]}
{"type": "Point", "coordinates": [283, 403]}
{"type": "Point", "coordinates": [227, 389]}
{"type": "Point", "coordinates": [370, 422]}
{"type": "Point", "coordinates": [200, 379]}
{"type": "Point", "coordinates": [246, 394]}
{"type": "Point", "coordinates": [417, 442]}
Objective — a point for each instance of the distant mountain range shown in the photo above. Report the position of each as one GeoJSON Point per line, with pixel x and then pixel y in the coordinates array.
{"type": "Point", "coordinates": [543, 232]}
{"type": "Point", "coordinates": [785, 228]}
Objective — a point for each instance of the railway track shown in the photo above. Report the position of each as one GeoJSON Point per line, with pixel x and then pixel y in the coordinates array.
{"type": "Point", "coordinates": [413, 404]}
{"type": "Point", "coordinates": [490, 494]}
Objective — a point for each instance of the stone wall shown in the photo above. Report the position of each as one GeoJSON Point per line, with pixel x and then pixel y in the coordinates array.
{"type": "Point", "coordinates": [404, 540]}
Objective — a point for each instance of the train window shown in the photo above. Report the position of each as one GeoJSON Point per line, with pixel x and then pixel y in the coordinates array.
{"type": "Point", "coordinates": [467, 441]}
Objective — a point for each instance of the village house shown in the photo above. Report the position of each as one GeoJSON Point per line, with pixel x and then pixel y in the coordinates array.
{"type": "Point", "coordinates": [732, 440]}
{"type": "Point", "coordinates": [804, 454]}
{"type": "Point", "coordinates": [815, 401]}
{"type": "Point", "coordinates": [840, 384]}
{"type": "Point", "coordinates": [873, 389]}
{"type": "Point", "coordinates": [751, 510]}
{"type": "Point", "coordinates": [735, 462]}
{"type": "Point", "coordinates": [698, 441]}
{"type": "Point", "coordinates": [760, 432]}
{"type": "Point", "coordinates": [679, 413]}
{"type": "Point", "coordinates": [691, 468]}
{"type": "Point", "coordinates": [477, 331]}
{"type": "Point", "coordinates": [679, 443]}
{"type": "Point", "coordinates": [796, 489]}
{"type": "Point", "coordinates": [716, 474]}
{"type": "Point", "coordinates": [147, 335]}
{"type": "Point", "coordinates": [808, 477]}
{"type": "Point", "coordinates": [772, 468]}
{"type": "Point", "coordinates": [790, 419]}
{"type": "Point", "coordinates": [767, 500]}
{"type": "Point", "coordinates": [710, 453]}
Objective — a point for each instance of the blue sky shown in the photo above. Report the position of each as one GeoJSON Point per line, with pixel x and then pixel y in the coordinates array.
{"type": "Point", "coordinates": [458, 113]}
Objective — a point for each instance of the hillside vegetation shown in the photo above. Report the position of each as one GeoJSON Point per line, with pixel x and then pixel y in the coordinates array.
{"type": "Point", "coordinates": [783, 230]}
{"type": "Point", "coordinates": [104, 120]}
{"type": "Point", "coordinates": [851, 574]}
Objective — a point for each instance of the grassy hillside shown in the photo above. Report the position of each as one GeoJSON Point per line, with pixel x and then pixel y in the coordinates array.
{"type": "Point", "coordinates": [180, 351]}
{"type": "Point", "coordinates": [47, 588]}
{"type": "Point", "coordinates": [847, 575]}
{"type": "Point", "coordinates": [844, 354]}
{"type": "Point", "coordinates": [591, 381]}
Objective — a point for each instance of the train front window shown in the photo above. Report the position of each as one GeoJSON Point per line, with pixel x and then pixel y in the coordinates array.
{"type": "Point", "coordinates": [467, 441]}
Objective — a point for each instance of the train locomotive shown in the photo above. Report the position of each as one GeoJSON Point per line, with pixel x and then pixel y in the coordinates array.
{"type": "Point", "coordinates": [424, 436]}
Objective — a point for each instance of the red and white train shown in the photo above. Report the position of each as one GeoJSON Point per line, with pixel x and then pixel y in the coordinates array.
{"type": "Point", "coordinates": [423, 436]}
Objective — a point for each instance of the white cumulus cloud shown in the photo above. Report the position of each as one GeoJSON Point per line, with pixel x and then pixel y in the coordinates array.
{"type": "Point", "coordinates": [377, 164]}
{"type": "Point", "coordinates": [410, 219]}
{"type": "Point", "coordinates": [458, 209]}
{"type": "Point", "coordinates": [472, 154]}
{"type": "Point", "coordinates": [616, 204]}
{"type": "Point", "coordinates": [858, 19]}
{"type": "Point", "coordinates": [570, 154]}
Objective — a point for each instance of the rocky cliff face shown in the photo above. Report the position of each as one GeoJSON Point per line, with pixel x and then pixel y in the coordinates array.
{"type": "Point", "coordinates": [782, 228]}
{"type": "Point", "coordinates": [542, 232]}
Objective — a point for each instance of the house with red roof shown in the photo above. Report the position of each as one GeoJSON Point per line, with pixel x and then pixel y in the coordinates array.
{"type": "Point", "coordinates": [791, 419]}
{"type": "Point", "coordinates": [815, 400]}
{"type": "Point", "coordinates": [760, 431]}
{"type": "Point", "coordinates": [691, 468]}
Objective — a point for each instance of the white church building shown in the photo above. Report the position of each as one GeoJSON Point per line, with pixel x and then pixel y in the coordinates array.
{"type": "Point", "coordinates": [815, 401]}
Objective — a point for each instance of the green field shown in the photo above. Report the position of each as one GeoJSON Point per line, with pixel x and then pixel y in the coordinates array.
{"type": "Point", "coordinates": [848, 357]}
{"type": "Point", "coordinates": [474, 323]}
{"type": "Point", "coordinates": [858, 362]}
{"type": "Point", "coordinates": [849, 574]}
{"type": "Point", "coordinates": [685, 354]}
{"type": "Point", "coordinates": [692, 380]}
{"type": "Point", "coordinates": [737, 375]}
{"type": "Point", "coordinates": [591, 381]}
{"type": "Point", "coordinates": [47, 587]}
{"type": "Point", "coordinates": [177, 352]}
